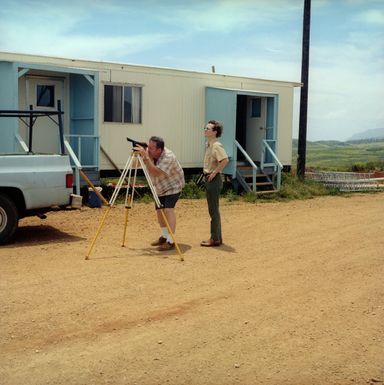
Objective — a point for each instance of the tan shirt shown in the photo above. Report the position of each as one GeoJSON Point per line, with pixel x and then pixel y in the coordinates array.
{"type": "Point", "coordinates": [214, 154]}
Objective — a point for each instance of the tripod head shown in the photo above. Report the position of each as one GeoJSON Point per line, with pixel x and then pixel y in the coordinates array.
{"type": "Point", "coordinates": [135, 143]}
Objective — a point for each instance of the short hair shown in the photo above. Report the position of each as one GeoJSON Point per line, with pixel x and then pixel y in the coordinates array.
{"type": "Point", "coordinates": [217, 126]}
{"type": "Point", "coordinates": [159, 141]}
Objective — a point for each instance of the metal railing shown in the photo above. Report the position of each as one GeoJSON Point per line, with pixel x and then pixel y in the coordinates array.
{"type": "Point", "coordinates": [76, 165]}
{"type": "Point", "coordinates": [22, 144]}
{"type": "Point", "coordinates": [78, 143]}
{"type": "Point", "coordinates": [348, 181]}
{"type": "Point", "coordinates": [278, 167]}
{"type": "Point", "coordinates": [251, 162]}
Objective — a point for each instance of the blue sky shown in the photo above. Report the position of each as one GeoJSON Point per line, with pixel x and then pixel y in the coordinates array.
{"type": "Point", "coordinates": [257, 38]}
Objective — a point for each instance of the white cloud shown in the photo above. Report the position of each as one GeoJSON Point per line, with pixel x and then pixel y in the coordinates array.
{"type": "Point", "coordinates": [52, 33]}
{"type": "Point", "coordinates": [227, 15]}
{"type": "Point", "coordinates": [344, 97]}
{"type": "Point", "coordinates": [372, 16]}
{"type": "Point", "coordinates": [346, 72]}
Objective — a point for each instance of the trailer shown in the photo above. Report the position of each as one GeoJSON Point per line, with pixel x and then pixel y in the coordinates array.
{"type": "Point", "coordinates": [106, 102]}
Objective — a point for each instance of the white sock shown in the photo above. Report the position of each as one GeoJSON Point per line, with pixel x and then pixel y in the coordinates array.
{"type": "Point", "coordinates": [169, 238]}
{"type": "Point", "coordinates": [164, 232]}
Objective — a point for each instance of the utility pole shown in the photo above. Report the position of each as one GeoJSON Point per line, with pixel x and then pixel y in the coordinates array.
{"type": "Point", "coordinates": [302, 144]}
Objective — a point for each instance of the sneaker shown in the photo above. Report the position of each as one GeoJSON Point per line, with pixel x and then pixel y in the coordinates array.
{"type": "Point", "coordinates": [159, 241]}
{"type": "Point", "coordinates": [166, 246]}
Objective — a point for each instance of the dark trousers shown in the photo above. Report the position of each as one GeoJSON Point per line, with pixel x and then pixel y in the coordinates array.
{"type": "Point", "coordinates": [213, 189]}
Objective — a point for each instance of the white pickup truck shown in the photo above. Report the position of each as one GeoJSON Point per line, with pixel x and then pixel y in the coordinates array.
{"type": "Point", "coordinates": [31, 184]}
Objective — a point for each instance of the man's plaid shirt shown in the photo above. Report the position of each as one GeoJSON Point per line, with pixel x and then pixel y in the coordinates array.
{"type": "Point", "coordinates": [173, 182]}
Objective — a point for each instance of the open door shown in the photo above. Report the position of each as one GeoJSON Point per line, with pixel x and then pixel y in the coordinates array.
{"type": "Point", "coordinates": [249, 117]}
{"type": "Point", "coordinates": [220, 104]}
{"type": "Point", "coordinates": [259, 125]}
{"type": "Point", "coordinates": [270, 129]}
{"type": "Point", "coordinates": [84, 137]}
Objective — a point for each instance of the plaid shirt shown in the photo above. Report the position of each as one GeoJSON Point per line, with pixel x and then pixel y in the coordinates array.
{"type": "Point", "coordinates": [173, 182]}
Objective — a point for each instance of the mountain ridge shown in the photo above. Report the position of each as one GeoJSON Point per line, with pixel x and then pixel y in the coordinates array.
{"type": "Point", "coordinates": [374, 133]}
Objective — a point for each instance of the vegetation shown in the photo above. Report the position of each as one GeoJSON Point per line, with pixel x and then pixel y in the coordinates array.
{"type": "Point", "coordinates": [292, 188]}
{"type": "Point", "coordinates": [357, 156]}
{"type": "Point", "coordinates": [343, 156]}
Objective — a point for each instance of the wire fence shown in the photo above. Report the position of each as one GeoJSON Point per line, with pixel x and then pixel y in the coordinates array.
{"type": "Point", "coordinates": [349, 181]}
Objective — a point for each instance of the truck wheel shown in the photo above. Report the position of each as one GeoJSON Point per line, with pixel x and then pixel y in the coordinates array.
{"type": "Point", "coordinates": [9, 219]}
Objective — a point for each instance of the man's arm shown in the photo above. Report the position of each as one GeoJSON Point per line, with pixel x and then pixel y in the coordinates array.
{"type": "Point", "coordinates": [218, 169]}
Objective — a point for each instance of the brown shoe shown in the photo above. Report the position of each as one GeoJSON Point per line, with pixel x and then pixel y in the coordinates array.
{"type": "Point", "coordinates": [211, 243]}
{"type": "Point", "coordinates": [166, 246]}
{"type": "Point", "coordinates": [159, 241]}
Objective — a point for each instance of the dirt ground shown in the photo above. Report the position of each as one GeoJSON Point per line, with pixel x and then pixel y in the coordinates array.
{"type": "Point", "coordinates": [295, 296]}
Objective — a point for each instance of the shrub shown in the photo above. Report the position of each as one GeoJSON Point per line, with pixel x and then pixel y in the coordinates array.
{"type": "Point", "coordinates": [192, 190]}
{"type": "Point", "coordinates": [368, 167]}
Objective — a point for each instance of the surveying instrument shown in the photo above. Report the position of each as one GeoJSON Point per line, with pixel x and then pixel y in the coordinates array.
{"type": "Point", "coordinates": [132, 163]}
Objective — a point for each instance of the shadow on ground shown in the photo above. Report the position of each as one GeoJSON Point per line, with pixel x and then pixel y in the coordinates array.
{"type": "Point", "coordinates": [41, 234]}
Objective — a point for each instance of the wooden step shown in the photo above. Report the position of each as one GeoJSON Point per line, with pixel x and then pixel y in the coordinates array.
{"type": "Point", "coordinates": [267, 192]}
{"type": "Point", "coordinates": [251, 175]}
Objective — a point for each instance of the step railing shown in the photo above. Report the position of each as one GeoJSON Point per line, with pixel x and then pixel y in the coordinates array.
{"type": "Point", "coordinates": [78, 141]}
{"type": "Point", "coordinates": [21, 143]}
{"type": "Point", "coordinates": [76, 165]}
{"type": "Point", "coordinates": [276, 164]}
{"type": "Point", "coordinates": [254, 169]}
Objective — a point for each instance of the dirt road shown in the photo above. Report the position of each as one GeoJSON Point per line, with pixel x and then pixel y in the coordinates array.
{"type": "Point", "coordinates": [295, 296]}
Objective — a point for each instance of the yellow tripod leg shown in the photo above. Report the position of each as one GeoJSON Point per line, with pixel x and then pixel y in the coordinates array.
{"type": "Point", "coordinates": [125, 225]}
{"type": "Point", "coordinates": [97, 232]}
{"type": "Point", "coordinates": [128, 205]}
{"type": "Point", "coordinates": [170, 232]}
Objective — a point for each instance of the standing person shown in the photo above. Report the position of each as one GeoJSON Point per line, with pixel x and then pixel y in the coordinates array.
{"type": "Point", "coordinates": [215, 160]}
{"type": "Point", "coordinates": [167, 177]}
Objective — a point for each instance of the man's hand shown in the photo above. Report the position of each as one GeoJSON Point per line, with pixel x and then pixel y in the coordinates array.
{"type": "Point", "coordinates": [141, 150]}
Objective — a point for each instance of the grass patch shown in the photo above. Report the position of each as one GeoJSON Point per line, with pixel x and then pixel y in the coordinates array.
{"type": "Point", "coordinates": [193, 190]}
{"type": "Point", "coordinates": [292, 188]}
{"type": "Point", "coordinates": [343, 156]}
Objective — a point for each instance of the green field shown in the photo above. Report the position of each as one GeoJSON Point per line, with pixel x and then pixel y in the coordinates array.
{"type": "Point", "coordinates": [342, 156]}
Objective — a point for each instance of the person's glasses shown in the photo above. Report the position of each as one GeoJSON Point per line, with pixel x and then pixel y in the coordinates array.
{"type": "Point", "coordinates": [208, 129]}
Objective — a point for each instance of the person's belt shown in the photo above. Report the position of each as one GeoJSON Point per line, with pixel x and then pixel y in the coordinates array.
{"type": "Point", "coordinates": [207, 174]}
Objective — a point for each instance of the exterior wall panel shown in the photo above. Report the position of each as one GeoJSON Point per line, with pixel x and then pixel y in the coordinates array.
{"type": "Point", "coordinates": [173, 104]}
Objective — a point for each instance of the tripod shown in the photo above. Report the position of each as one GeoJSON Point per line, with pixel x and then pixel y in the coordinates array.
{"type": "Point", "coordinates": [132, 163]}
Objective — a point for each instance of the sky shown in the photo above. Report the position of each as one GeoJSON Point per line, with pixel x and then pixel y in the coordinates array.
{"type": "Point", "coordinates": [255, 38]}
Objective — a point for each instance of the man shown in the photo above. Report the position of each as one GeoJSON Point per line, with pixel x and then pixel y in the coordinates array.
{"type": "Point", "coordinates": [214, 161]}
{"type": "Point", "coordinates": [168, 179]}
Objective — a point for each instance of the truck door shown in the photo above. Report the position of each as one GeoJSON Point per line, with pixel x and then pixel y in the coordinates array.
{"type": "Point", "coordinates": [43, 93]}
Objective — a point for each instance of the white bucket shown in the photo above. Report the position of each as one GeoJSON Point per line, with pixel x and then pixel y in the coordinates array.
{"type": "Point", "coordinates": [98, 188]}
{"type": "Point", "coordinates": [76, 201]}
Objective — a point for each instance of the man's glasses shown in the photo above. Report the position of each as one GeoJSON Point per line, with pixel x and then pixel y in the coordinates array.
{"type": "Point", "coordinates": [208, 129]}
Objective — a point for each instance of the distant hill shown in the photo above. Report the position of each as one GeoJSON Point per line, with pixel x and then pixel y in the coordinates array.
{"type": "Point", "coordinates": [330, 143]}
{"type": "Point", "coordinates": [375, 133]}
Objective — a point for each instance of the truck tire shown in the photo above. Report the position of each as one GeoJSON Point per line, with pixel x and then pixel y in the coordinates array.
{"type": "Point", "coordinates": [9, 219]}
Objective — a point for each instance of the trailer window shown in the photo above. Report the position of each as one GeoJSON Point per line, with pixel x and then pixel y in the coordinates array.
{"type": "Point", "coordinates": [45, 96]}
{"type": "Point", "coordinates": [122, 104]}
{"type": "Point", "coordinates": [256, 108]}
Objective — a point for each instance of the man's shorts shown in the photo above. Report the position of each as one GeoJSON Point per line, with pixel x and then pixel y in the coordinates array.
{"type": "Point", "coordinates": [168, 201]}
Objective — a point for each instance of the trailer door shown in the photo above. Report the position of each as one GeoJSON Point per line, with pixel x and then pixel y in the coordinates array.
{"type": "Point", "coordinates": [220, 104]}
